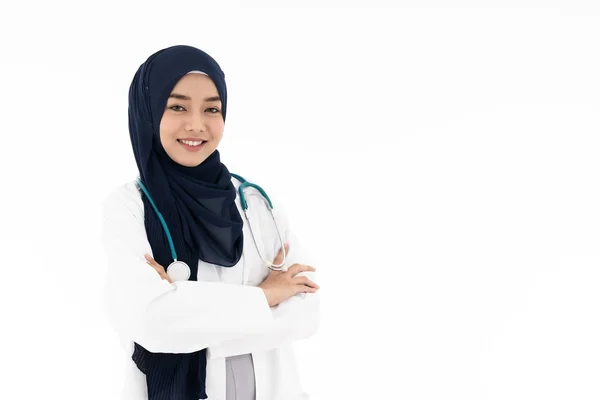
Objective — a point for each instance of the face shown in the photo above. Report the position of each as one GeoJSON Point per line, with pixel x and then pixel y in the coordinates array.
{"type": "Point", "coordinates": [192, 124]}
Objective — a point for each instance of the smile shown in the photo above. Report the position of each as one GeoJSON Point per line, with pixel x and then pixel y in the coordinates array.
{"type": "Point", "coordinates": [191, 145]}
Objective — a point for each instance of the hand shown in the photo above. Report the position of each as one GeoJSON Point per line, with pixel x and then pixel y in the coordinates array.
{"type": "Point", "coordinates": [281, 285]}
{"type": "Point", "coordinates": [157, 267]}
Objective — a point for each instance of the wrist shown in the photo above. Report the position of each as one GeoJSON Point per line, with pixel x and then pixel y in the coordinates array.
{"type": "Point", "coordinates": [266, 292]}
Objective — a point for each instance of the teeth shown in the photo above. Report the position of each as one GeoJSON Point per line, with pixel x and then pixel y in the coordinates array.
{"type": "Point", "coordinates": [190, 143]}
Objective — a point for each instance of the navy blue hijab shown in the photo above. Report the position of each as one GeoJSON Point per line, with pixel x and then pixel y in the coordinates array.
{"type": "Point", "coordinates": [197, 203]}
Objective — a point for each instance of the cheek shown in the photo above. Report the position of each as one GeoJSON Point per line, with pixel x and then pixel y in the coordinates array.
{"type": "Point", "coordinates": [217, 128]}
{"type": "Point", "coordinates": [168, 127]}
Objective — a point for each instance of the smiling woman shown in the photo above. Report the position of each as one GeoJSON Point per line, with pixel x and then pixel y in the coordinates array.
{"type": "Point", "coordinates": [224, 325]}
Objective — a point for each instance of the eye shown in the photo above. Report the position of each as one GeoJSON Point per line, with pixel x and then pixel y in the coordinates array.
{"type": "Point", "coordinates": [214, 110]}
{"type": "Point", "coordinates": [177, 108]}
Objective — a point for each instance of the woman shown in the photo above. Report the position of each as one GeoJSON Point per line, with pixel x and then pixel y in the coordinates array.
{"type": "Point", "coordinates": [223, 327]}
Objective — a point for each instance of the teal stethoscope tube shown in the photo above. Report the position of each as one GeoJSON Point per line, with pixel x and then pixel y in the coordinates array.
{"type": "Point", "coordinates": [162, 220]}
{"type": "Point", "coordinates": [244, 184]}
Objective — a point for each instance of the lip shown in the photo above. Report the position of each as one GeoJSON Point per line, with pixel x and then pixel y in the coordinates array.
{"type": "Point", "coordinates": [189, 148]}
{"type": "Point", "coordinates": [193, 139]}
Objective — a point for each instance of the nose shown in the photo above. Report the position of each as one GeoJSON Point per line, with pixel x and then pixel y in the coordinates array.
{"type": "Point", "coordinates": [195, 122]}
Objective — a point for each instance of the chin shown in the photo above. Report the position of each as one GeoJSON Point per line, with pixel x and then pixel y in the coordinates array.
{"type": "Point", "coordinates": [191, 164]}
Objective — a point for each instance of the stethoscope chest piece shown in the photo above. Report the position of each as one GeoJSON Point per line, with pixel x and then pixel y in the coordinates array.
{"type": "Point", "coordinates": [178, 271]}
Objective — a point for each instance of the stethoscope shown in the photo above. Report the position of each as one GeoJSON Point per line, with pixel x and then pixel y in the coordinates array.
{"type": "Point", "coordinates": [179, 270]}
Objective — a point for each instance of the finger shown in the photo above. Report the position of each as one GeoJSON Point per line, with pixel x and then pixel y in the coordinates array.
{"type": "Point", "coordinates": [160, 271]}
{"type": "Point", "coordinates": [151, 261]}
{"type": "Point", "coordinates": [279, 258]}
{"type": "Point", "coordinates": [305, 289]}
{"type": "Point", "coordinates": [297, 268]}
{"type": "Point", "coordinates": [153, 264]}
{"type": "Point", "coordinates": [157, 267]}
{"type": "Point", "coordinates": [302, 280]}
{"type": "Point", "coordinates": [166, 277]}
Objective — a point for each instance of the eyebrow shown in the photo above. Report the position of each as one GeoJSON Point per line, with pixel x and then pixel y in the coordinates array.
{"type": "Point", "coordinates": [183, 97]}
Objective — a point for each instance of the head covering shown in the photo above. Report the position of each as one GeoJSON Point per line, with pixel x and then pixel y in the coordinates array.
{"type": "Point", "coordinates": [197, 203]}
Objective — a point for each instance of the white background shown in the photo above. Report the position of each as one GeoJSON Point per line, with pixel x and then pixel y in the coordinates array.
{"type": "Point", "coordinates": [442, 163]}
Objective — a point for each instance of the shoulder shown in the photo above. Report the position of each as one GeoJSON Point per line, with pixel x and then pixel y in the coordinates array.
{"type": "Point", "coordinates": [124, 198]}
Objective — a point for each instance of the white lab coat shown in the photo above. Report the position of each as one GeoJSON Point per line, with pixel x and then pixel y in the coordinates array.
{"type": "Point", "coordinates": [223, 311]}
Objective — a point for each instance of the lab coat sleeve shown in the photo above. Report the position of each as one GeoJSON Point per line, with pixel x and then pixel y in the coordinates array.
{"type": "Point", "coordinates": [295, 319]}
{"type": "Point", "coordinates": [182, 317]}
